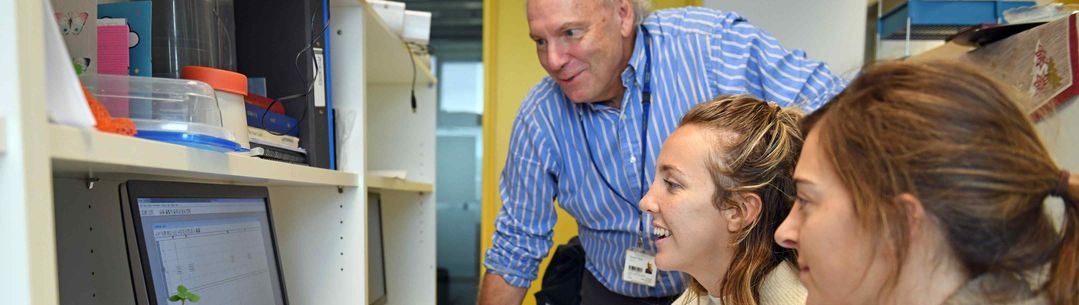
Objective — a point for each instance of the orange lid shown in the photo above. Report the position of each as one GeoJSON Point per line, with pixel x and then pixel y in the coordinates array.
{"type": "Point", "coordinates": [223, 80]}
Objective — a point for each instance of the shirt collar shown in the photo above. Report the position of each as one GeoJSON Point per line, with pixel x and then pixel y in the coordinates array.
{"type": "Point", "coordinates": [630, 77]}
{"type": "Point", "coordinates": [636, 61]}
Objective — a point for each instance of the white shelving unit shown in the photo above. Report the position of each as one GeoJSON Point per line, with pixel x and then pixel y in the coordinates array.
{"type": "Point", "coordinates": [320, 215]}
{"type": "Point", "coordinates": [380, 70]}
{"type": "Point", "coordinates": [3, 135]}
{"type": "Point", "coordinates": [81, 151]}
{"type": "Point", "coordinates": [378, 183]}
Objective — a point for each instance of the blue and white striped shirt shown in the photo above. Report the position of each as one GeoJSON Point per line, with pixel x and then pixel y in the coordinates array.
{"type": "Point", "coordinates": [696, 54]}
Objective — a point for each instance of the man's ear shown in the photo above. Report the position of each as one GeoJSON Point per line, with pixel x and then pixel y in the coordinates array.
{"type": "Point", "coordinates": [745, 212]}
{"type": "Point", "coordinates": [627, 16]}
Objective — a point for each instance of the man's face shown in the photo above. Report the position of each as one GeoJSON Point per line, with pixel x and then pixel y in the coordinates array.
{"type": "Point", "coordinates": [582, 44]}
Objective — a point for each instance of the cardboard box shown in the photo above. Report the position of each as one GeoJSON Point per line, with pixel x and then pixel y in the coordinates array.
{"type": "Point", "coordinates": [1042, 63]}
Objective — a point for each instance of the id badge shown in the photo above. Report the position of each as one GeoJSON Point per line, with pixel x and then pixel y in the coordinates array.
{"type": "Point", "coordinates": [640, 268]}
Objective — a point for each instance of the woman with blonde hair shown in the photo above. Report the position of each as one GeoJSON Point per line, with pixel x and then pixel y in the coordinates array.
{"type": "Point", "coordinates": [924, 183]}
{"type": "Point", "coordinates": [723, 184]}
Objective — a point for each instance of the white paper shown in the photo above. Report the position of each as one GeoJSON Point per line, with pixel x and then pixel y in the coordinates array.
{"type": "Point", "coordinates": [64, 98]}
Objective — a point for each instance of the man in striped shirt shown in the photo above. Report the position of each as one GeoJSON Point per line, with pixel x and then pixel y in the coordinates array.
{"type": "Point", "coordinates": [588, 134]}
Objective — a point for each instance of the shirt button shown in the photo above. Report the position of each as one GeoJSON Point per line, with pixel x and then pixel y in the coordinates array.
{"type": "Point", "coordinates": [622, 116]}
{"type": "Point", "coordinates": [632, 159]}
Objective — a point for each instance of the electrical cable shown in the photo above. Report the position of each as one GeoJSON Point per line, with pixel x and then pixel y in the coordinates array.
{"type": "Point", "coordinates": [412, 59]}
{"type": "Point", "coordinates": [299, 74]}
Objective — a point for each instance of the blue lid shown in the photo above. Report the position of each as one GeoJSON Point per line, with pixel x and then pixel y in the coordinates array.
{"type": "Point", "coordinates": [195, 140]}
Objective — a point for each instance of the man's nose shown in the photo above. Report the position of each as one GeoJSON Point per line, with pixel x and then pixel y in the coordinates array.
{"type": "Point", "coordinates": [556, 56]}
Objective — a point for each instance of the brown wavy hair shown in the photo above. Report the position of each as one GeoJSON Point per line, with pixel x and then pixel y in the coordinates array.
{"type": "Point", "coordinates": [954, 138]}
{"type": "Point", "coordinates": [756, 147]}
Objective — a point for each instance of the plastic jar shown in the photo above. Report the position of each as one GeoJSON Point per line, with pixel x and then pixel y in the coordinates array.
{"type": "Point", "coordinates": [192, 33]}
{"type": "Point", "coordinates": [230, 89]}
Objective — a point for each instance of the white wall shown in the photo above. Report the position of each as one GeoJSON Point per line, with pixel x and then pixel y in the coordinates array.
{"type": "Point", "coordinates": [829, 30]}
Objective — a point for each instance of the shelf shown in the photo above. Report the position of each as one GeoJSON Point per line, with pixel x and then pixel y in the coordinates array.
{"type": "Point", "coordinates": [377, 183]}
{"type": "Point", "coordinates": [389, 61]}
{"type": "Point", "coordinates": [82, 151]}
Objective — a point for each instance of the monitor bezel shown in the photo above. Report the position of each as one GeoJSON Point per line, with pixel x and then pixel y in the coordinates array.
{"type": "Point", "coordinates": [382, 240]}
{"type": "Point", "coordinates": [132, 190]}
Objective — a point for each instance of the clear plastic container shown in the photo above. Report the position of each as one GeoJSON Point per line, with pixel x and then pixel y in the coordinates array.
{"type": "Point", "coordinates": [192, 33]}
{"type": "Point", "coordinates": [230, 88]}
{"type": "Point", "coordinates": [1039, 13]}
{"type": "Point", "coordinates": [178, 111]}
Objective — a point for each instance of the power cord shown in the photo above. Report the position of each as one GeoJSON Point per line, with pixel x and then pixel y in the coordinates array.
{"type": "Point", "coordinates": [299, 74]}
{"type": "Point", "coordinates": [408, 47]}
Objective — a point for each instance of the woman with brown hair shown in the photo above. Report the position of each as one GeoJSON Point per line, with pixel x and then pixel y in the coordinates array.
{"type": "Point", "coordinates": [924, 183]}
{"type": "Point", "coordinates": [723, 184]}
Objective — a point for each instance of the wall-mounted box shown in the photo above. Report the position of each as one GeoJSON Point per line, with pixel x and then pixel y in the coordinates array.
{"type": "Point", "coordinates": [417, 27]}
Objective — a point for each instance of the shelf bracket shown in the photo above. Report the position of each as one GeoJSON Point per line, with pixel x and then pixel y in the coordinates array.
{"type": "Point", "coordinates": [90, 182]}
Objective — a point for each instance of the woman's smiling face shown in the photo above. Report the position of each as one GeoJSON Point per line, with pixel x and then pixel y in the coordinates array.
{"type": "Point", "coordinates": [691, 231]}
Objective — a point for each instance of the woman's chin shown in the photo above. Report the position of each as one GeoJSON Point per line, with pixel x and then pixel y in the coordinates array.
{"type": "Point", "coordinates": [663, 263]}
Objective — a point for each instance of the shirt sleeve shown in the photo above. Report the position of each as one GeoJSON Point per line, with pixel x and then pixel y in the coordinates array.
{"type": "Point", "coordinates": [523, 228]}
{"type": "Point", "coordinates": [743, 52]}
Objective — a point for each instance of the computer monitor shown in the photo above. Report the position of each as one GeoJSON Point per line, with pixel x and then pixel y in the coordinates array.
{"type": "Point", "coordinates": [376, 264]}
{"type": "Point", "coordinates": [216, 240]}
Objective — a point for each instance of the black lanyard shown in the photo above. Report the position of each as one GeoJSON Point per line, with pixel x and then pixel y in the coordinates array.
{"type": "Point", "coordinates": [646, 105]}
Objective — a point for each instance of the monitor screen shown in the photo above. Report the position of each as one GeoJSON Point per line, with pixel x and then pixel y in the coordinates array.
{"type": "Point", "coordinates": [215, 240]}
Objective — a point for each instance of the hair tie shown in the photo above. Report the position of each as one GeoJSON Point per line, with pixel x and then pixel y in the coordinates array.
{"type": "Point", "coordinates": [1062, 185]}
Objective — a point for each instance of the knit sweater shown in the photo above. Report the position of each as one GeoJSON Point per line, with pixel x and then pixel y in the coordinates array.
{"type": "Point", "coordinates": [999, 290]}
{"type": "Point", "coordinates": [780, 287]}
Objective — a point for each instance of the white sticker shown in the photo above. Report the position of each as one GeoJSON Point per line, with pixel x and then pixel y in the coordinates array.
{"type": "Point", "coordinates": [640, 268]}
{"type": "Point", "coordinates": [320, 78]}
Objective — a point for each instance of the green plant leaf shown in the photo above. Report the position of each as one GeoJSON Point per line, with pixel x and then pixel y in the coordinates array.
{"type": "Point", "coordinates": [181, 289]}
{"type": "Point", "coordinates": [174, 298]}
{"type": "Point", "coordinates": [194, 298]}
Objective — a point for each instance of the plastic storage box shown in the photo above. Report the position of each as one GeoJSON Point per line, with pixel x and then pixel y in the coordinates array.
{"type": "Point", "coordinates": [230, 88]}
{"type": "Point", "coordinates": [938, 19]}
{"type": "Point", "coordinates": [177, 111]}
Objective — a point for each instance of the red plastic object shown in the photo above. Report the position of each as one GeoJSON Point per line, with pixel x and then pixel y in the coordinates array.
{"type": "Point", "coordinates": [264, 102]}
{"type": "Point", "coordinates": [223, 80]}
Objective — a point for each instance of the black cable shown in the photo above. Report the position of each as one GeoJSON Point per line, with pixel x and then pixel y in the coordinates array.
{"type": "Point", "coordinates": [299, 74]}
{"type": "Point", "coordinates": [413, 60]}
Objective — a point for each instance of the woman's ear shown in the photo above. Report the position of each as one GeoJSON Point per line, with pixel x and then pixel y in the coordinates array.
{"type": "Point", "coordinates": [745, 212]}
{"type": "Point", "coordinates": [915, 212]}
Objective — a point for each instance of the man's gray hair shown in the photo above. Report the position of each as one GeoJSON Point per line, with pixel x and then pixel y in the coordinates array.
{"type": "Point", "coordinates": [641, 8]}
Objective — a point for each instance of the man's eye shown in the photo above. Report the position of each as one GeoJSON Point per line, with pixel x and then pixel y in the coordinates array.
{"type": "Point", "coordinates": [572, 33]}
{"type": "Point", "coordinates": [540, 42]}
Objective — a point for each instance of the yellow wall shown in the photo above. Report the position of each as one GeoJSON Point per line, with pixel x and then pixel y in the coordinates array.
{"type": "Point", "coordinates": [511, 70]}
